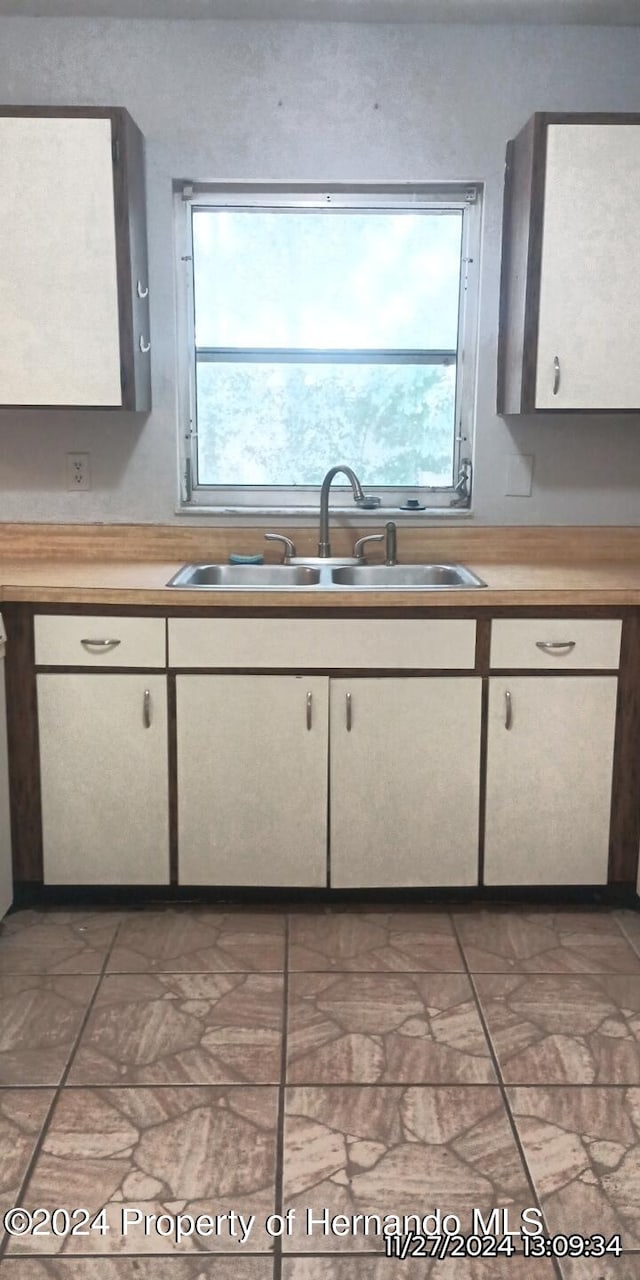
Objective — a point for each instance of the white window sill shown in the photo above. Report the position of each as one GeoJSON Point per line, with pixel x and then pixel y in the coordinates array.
{"type": "Point", "coordinates": [346, 516]}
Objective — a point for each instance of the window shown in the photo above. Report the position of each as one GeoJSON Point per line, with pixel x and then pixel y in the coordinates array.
{"type": "Point", "coordinates": [326, 328]}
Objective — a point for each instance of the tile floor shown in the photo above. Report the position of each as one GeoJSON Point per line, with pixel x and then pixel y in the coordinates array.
{"type": "Point", "coordinates": [164, 1064]}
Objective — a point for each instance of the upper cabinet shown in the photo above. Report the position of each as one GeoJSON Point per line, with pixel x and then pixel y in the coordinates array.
{"type": "Point", "coordinates": [570, 300]}
{"type": "Point", "coordinates": [74, 306]}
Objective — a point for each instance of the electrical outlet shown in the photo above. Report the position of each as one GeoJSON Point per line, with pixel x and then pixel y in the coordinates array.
{"type": "Point", "coordinates": [78, 471]}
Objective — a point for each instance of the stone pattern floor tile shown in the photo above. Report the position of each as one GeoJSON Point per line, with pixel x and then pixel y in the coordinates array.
{"type": "Point", "coordinates": [158, 1268]}
{"type": "Point", "coordinates": [56, 941]}
{"type": "Point", "coordinates": [359, 1268]}
{"type": "Point", "coordinates": [564, 1029]}
{"type": "Point", "coordinates": [23, 1113]}
{"type": "Point", "coordinates": [392, 1028]}
{"type": "Point", "coordinates": [199, 941]}
{"type": "Point", "coordinates": [503, 941]}
{"type": "Point", "coordinates": [384, 1149]}
{"type": "Point", "coordinates": [610, 1268]}
{"type": "Point", "coordinates": [374, 942]}
{"type": "Point", "coordinates": [40, 1018]}
{"type": "Point", "coordinates": [582, 1146]}
{"type": "Point", "coordinates": [171, 1103]}
{"type": "Point", "coordinates": [163, 1151]}
{"type": "Point", "coordinates": [181, 1028]}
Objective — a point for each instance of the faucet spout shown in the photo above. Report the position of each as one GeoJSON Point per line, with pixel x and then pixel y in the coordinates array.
{"type": "Point", "coordinates": [324, 547]}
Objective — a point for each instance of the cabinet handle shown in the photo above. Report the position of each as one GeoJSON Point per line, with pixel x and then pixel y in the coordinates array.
{"type": "Point", "coordinates": [102, 645]}
{"type": "Point", "coordinates": [309, 710]}
{"type": "Point", "coordinates": [144, 346]}
{"type": "Point", "coordinates": [508, 710]}
{"type": "Point", "coordinates": [142, 293]}
{"type": "Point", "coordinates": [146, 709]}
{"type": "Point", "coordinates": [556, 375]}
{"type": "Point", "coordinates": [558, 647]}
{"type": "Point", "coordinates": [348, 711]}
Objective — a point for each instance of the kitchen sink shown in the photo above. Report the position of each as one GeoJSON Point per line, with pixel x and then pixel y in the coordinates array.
{"type": "Point", "coordinates": [278, 577]}
{"type": "Point", "coordinates": [401, 576]}
{"type": "Point", "coordinates": [248, 576]}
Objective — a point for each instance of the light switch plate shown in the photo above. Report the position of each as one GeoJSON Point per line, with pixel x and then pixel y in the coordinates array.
{"type": "Point", "coordinates": [519, 476]}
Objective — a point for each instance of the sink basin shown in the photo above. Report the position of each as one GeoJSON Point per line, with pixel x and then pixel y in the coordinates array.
{"type": "Point", "coordinates": [399, 576]}
{"type": "Point", "coordinates": [283, 577]}
{"type": "Point", "coordinates": [249, 576]}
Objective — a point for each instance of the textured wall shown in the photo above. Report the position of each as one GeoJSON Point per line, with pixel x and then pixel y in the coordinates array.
{"type": "Point", "coordinates": [222, 101]}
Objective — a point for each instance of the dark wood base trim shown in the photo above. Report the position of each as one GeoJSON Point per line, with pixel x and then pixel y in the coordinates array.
{"type": "Point", "coordinates": [28, 894]}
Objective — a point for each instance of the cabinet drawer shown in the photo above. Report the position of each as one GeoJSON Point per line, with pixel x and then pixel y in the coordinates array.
{"type": "Point", "coordinates": [90, 641]}
{"type": "Point", "coordinates": [442, 644]}
{"type": "Point", "coordinates": [554, 644]}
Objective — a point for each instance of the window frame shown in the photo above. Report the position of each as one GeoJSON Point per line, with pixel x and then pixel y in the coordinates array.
{"type": "Point", "coordinates": [300, 500]}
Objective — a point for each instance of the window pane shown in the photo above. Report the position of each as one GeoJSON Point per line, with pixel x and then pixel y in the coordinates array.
{"type": "Point", "coordinates": [286, 424]}
{"type": "Point", "coordinates": [327, 279]}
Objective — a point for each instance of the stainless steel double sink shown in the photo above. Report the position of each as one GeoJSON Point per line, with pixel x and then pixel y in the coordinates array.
{"type": "Point", "coordinates": [358, 577]}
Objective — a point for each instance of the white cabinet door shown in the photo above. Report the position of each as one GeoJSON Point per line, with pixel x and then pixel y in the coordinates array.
{"type": "Point", "coordinates": [405, 771]}
{"type": "Point", "coordinates": [549, 779]}
{"type": "Point", "coordinates": [252, 779]}
{"type": "Point", "coordinates": [104, 773]}
{"type": "Point", "coordinates": [58, 284]}
{"type": "Point", "coordinates": [589, 314]}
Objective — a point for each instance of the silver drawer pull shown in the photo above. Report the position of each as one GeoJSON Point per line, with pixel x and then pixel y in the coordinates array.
{"type": "Point", "coordinates": [309, 710]}
{"type": "Point", "coordinates": [102, 645]}
{"type": "Point", "coordinates": [556, 375]}
{"type": "Point", "coordinates": [557, 647]}
{"type": "Point", "coordinates": [508, 710]}
{"type": "Point", "coordinates": [143, 292]}
{"type": "Point", "coordinates": [146, 709]}
{"type": "Point", "coordinates": [348, 711]}
{"type": "Point", "coordinates": [144, 346]}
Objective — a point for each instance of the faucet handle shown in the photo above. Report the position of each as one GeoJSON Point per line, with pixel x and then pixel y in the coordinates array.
{"type": "Point", "coordinates": [289, 548]}
{"type": "Point", "coordinates": [371, 537]}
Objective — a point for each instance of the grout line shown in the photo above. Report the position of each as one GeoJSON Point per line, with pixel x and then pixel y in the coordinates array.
{"type": "Point", "coordinates": [4, 1243]}
{"type": "Point", "coordinates": [503, 1092]}
{"type": "Point", "coordinates": [279, 1176]}
{"type": "Point", "coordinates": [627, 936]}
{"type": "Point", "coordinates": [337, 972]}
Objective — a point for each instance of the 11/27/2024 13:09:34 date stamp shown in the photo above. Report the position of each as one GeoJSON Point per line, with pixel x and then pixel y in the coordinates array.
{"type": "Point", "coordinates": [439, 1247]}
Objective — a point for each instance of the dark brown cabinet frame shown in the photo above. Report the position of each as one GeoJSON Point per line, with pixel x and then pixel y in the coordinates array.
{"type": "Point", "coordinates": [523, 209]}
{"type": "Point", "coordinates": [22, 730]}
{"type": "Point", "coordinates": [127, 149]}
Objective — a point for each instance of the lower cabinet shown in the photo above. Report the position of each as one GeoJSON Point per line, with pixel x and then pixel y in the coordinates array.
{"type": "Point", "coordinates": [254, 757]}
{"type": "Point", "coordinates": [104, 778]}
{"type": "Point", "coordinates": [549, 770]}
{"type": "Point", "coordinates": [252, 779]}
{"type": "Point", "coordinates": [405, 779]}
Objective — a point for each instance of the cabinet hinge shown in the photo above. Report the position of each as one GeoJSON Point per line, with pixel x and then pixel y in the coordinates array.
{"type": "Point", "coordinates": [115, 150]}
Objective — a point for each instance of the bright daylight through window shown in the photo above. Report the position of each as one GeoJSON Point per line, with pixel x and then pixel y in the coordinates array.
{"type": "Point", "coordinates": [328, 329]}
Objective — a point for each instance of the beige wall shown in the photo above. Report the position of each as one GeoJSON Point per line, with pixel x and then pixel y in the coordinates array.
{"type": "Point", "coordinates": [329, 102]}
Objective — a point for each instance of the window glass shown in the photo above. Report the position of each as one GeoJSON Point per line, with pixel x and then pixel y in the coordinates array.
{"type": "Point", "coordinates": [324, 335]}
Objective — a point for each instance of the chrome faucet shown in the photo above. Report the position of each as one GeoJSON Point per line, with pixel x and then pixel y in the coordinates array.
{"type": "Point", "coordinates": [324, 548]}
